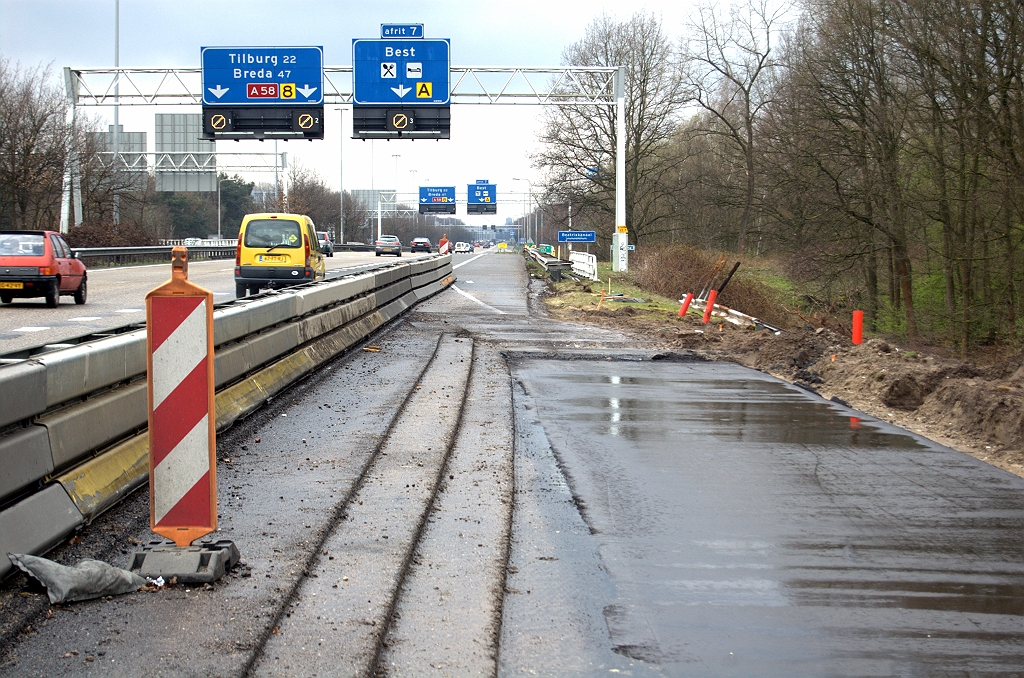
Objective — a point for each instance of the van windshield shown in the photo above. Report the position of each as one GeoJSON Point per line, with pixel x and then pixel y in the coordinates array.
{"type": "Point", "coordinates": [273, 233]}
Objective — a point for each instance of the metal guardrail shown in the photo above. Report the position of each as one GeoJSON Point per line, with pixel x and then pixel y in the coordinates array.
{"type": "Point", "coordinates": [72, 421]}
{"type": "Point", "coordinates": [200, 242]}
{"type": "Point", "coordinates": [553, 265]}
{"type": "Point", "coordinates": [118, 256]}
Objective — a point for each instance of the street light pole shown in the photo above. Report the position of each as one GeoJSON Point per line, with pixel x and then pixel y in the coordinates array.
{"type": "Point", "coordinates": [416, 214]}
{"type": "Point", "coordinates": [396, 156]}
{"type": "Point", "coordinates": [341, 177]}
{"type": "Point", "coordinates": [219, 182]}
{"type": "Point", "coordinates": [526, 216]}
{"type": "Point", "coordinates": [117, 88]}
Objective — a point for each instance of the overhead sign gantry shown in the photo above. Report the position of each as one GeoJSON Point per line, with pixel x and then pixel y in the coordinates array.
{"type": "Point", "coordinates": [401, 86]}
{"type": "Point", "coordinates": [572, 86]}
{"type": "Point", "coordinates": [263, 92]}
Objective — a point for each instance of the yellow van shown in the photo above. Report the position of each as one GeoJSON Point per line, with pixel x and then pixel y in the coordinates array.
{"type": "Point", "coordinates": [276, 250]}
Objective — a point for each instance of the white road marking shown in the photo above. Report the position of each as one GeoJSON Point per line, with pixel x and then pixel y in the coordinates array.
{"type": "Point", "coordinates": [30, 329]}
{"type": "Point", "coordinates": [472, 298]}
{"type": "Point", "coordinates": [84, 318]}
{"type": "Point", "coordinates": [482, 254]}
{"type": "Point", "coordinates": [130, 310]}
{"type": "Point", "coordinates": [468, 282]}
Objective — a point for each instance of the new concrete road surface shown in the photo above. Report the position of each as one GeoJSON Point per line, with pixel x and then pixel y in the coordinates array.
{"type": "Point", "coordinates": [496, 493]}
{"type": "Point", "coordinates": [117, 297]}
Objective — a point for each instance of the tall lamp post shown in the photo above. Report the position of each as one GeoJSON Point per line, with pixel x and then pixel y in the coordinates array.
{"type": "Point", "coordinates": [416, 214]}
{"type": "Point", "coordinates": [341, 178]}
{"type": "Point", "coordinates": [396, 156]}
{"type": "Point", "coordinates": [219, 182]}
{"type": "Point", "coordinates": [526, 223]}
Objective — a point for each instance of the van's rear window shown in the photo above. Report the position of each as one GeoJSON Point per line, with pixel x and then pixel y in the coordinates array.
{"type": "Point", "coordinates": [21, 245]}
{"type": "Point", "coordinates": [273, 233]}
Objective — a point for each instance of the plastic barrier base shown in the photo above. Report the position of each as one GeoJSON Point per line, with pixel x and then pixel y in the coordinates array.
{"type": "Point", "coordinates": [198, 564]}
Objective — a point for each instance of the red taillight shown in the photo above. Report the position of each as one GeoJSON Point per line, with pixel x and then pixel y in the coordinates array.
{"type": "Point", "coordinates": [45, 270]}
{"type": "Point", "coordinates": [238, 252]}
{"type": "Point", "coordinates": [305, 241]}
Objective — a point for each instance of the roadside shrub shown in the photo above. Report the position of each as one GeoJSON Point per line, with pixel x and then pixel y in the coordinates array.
{"type": "Point", "coordinates": [674, 271]}
{"type": "Point", "coordinates": [108, 235]}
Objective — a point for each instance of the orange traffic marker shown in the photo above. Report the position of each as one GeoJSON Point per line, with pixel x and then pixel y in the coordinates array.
{"type": "Point", "coordinates": [182, 415]}
{"type": "Point", "coordinates": [686, 304]}
{"type": "Point", "coordinates": [712, 295]}
{"type": "Point", "coordinates": [858, 327]}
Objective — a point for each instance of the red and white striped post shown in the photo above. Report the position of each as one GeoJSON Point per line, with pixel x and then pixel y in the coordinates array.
{"type": "Point", "coordinates": [182, 437]}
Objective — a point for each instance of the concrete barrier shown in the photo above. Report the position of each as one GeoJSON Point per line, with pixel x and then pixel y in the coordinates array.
{"type": "Point", "coordinates": [263, 345]}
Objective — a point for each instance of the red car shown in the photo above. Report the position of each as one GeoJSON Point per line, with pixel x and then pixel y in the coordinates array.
{"type": "Point", "coordinates": [39, 264]}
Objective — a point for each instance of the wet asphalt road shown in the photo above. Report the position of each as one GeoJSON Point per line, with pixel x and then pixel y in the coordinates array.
{"type": "Point", "coordinates": [523, 497]}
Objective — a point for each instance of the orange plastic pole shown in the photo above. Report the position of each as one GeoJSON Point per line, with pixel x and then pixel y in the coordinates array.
{"type": "Point", "coordinates": [686, 304]}
{"type": "Point", "coordinates": [858, 327]}
{"type": "Point", "coordinates": [712, 295]}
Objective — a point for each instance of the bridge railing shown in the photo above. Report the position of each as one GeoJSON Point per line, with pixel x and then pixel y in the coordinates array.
{"type": "Point", "coordinates": [584, 264]}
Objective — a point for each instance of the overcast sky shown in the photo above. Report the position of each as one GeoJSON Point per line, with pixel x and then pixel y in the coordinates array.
{"type": "Point", "coordinates": [488, 142]}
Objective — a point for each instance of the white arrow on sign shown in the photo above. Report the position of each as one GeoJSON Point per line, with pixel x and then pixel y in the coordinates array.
{"type": "Point", "coordinates": [306, 90]}
{"type": "Point", "coordinates": [401, 90]}
{"type": "Point", "coordinates": [219, 91]}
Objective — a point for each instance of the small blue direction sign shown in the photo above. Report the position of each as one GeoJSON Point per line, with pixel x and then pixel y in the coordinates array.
{"type": "Point", "coordinates": [577, 236]}
{"type": "Point", "coordinates": [400, 72]}
{"type": "Point", "coordinates": [406, 31]}
{"type": "Point", "coordinates": [263, 76]}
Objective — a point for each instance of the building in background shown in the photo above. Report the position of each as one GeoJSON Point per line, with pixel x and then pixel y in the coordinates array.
{"type": "Point", "coordinates": [184, 162]}
{"type": "Point", "coordinates": [131, 147]}
{"type": "Point", "coordinates": [369, 198]}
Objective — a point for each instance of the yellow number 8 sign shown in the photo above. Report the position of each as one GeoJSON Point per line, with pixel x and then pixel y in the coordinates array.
{"type": "Point", "coordinates": [287, 90]}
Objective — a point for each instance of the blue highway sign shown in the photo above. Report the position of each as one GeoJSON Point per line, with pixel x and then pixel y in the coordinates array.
{"type": "Point", "coordinates": [263, 76]}
{"type": "Point", "coordinates": [437, 194]}
{"type": "Point", "coordinates": [401, 72]}
{"type": "Point", "coordinates": [406, 31]}
{"type": "Point", "coordinates": [481, 193]}
{"type": "Point", "coordinates": [577, 236]}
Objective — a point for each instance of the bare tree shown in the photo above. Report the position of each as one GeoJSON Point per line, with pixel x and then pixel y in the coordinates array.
{"type": "Point", "coordinates": [34, 135]}
{"type": "Point", "coordinates": [727, 66]}
{"type": "Point", "coordinates": [579, 142]}
{"type": "Point", "coordinates": [309, 194]}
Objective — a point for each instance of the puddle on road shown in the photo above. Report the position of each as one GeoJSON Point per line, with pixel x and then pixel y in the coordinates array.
{"type": "Point", "coordinates": [730, 410]}
{"type": "Point", "coordinates": [719, 493]}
